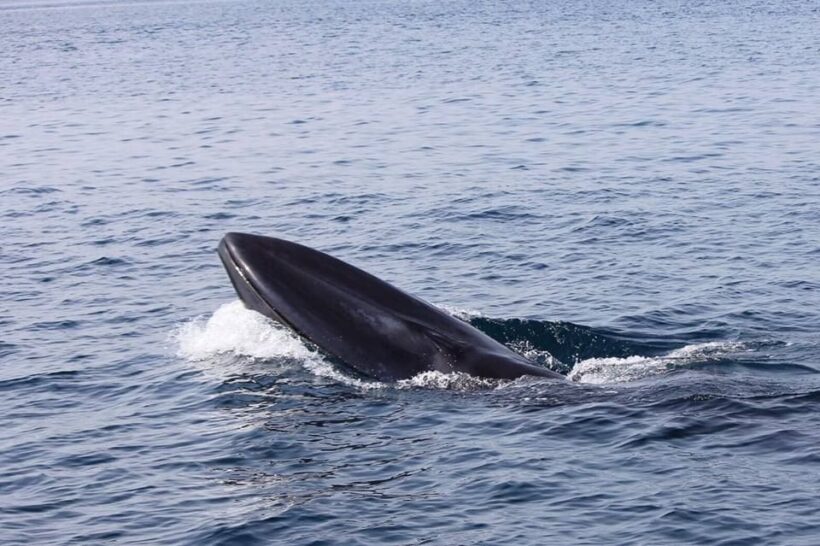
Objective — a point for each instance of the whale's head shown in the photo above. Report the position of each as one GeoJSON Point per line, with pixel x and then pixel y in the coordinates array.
{"type": "Point", "coordinates": [254, 263]}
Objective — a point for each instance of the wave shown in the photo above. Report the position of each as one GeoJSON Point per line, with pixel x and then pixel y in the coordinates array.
{"type": "Point", "coordinates": [633, 368]}
{"type": "Point", "coordinates": [559, 345]}
{"type": "Point", "coordinates": [233, 335]}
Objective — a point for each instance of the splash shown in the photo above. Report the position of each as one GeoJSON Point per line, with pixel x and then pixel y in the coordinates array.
{"type": "Point", "coordinates": [235, 330]}
{"type": "Point", "coordinates": [633, 368]}
{"type": "Point", "coordinates": [447, 381]}
{"type": "Point", "coordinates": [463, 314]}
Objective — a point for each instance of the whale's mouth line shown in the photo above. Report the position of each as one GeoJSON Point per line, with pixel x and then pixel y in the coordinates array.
{"type": "Point", "coordinates": [231, 263]}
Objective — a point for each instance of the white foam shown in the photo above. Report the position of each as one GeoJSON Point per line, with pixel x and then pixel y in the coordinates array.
{"type": "Point", "coordinates": [446, 381]}
{"type": "Point", "coordinates": [236, 330]}
{"type": "Point", "coordinates": [463, 314]}
{"type": "Point", "coordinates": [633, 368]}
{"type": "Point", "coordinates": [321, 368]}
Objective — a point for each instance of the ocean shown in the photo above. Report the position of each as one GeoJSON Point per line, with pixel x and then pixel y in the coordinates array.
{"type": "Point", "coordinates": [628, 193]}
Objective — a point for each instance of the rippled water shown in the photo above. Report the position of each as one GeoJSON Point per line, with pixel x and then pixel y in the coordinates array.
{"type": "Point", "coordinates": [628, 194]}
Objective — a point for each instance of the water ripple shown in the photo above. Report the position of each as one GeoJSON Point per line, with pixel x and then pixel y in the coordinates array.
{"type": "Point", "coordinates": [624, 192]}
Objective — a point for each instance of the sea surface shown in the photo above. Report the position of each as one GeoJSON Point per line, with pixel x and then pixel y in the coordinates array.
{"type": "Point", "coordinates": [627, 192]}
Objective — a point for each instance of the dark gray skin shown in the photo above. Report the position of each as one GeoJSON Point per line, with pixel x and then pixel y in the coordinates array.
{"type": "Point", "coordinates": [373, 327]}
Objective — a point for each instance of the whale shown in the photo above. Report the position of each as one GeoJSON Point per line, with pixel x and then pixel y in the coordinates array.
{"type": "Point", "coordinates": [367, 324]}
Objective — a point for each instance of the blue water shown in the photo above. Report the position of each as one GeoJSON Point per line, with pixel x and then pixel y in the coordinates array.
{"type": "Point", "coordinates": [627, 192]}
